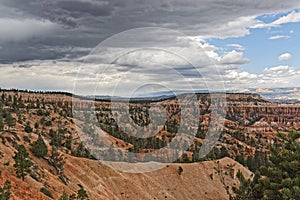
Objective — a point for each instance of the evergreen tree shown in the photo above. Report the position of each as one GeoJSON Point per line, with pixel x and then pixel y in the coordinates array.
{"type": "Point", "coordinates": [57, 158]}
{"type": "Point", "coordinates": [82, 194]}
{"type": "Point", "coordinates": [180, 170]}
{"type": "Point", "coordinates": [72, 197]}
{"type": "Point", "coordinates": [223, 152]}
{"type": "Point", "coordinates": [10, 121]}
{"type": "Point", "coordinates": [5, 190]}
{"type": "Point", "coordinates": [1, 122]}
{"type": "Point", "coordinates": [39, 148]}
{"type": "Point", "coordinates": [80, 150]}
{"type": "Point", "coordinates": [3, 96]}
{"type": "Point", "coordinates": [280, 179]}
{"type": "Point", "coordinates": [245, 191]}
{"type": "Point", "coordinates": [64, 196]}
{"type": "Point", "coordinates": [36, 125]}
{"type": "Point", "coordinates": [185, 158]}
{"type": "Point", "coordinates": [22, 162]}
{"type": "Point", "coordinates": [240, 159]}
{"type": "Point", "coordinates": [68, 143]}
{"type": "Point", "coordinates": [28, 128]}
{"type": "Point", "coordinates": [57, 137]}
{"type": "Point", "coordinates": [250, 163]}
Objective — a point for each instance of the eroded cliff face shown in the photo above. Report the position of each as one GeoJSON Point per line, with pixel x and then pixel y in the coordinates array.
{"type": "Point", "coordinates": [250, 121]}
{"type": "Point", "coordinates": [245, 112]}
{"type": "Point", "coordinates": [262, 116]}
{"type": "Point", "coordinates": [249, 112]}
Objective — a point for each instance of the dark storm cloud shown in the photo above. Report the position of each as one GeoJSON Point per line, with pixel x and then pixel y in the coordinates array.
{"type": "Point", "coordinates": [64, 12]}
{"type": "Point", "coordinates": [23, 52]}
{"type": "Point", "coordinates": [85, 23]}
{"type": "Point", "coordinates": [77, 8]}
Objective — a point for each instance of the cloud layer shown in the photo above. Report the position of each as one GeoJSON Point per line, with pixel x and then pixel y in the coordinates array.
{"type": "Point", "coordinates": [42, 43]}
{"type": "Point", "coordinates": [84, 24]}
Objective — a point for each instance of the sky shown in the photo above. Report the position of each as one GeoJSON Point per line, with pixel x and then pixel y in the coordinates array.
{"type": "Point", "coordinates": [119, 47]}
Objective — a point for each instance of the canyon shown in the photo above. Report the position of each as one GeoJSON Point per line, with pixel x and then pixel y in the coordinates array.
{"type": "Point", "coordinates": [250, 125]}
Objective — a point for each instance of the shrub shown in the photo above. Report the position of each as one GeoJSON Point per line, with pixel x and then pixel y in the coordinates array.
{"type": "Point", "coordinates": [46, 192]}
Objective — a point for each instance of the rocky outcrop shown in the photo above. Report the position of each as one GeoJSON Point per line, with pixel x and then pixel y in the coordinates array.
{"type": "Point", "coordinates": [241, 108]}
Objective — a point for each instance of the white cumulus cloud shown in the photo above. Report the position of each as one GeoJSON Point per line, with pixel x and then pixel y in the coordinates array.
{"type": "Point", "coordinates": [233, 57]}
{"type": "Point", "coordinates": [284, 57]}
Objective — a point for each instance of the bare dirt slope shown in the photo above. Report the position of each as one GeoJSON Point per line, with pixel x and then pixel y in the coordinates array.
{"type": "Point", "coordinates": [21, 190]}
{"type": "Point", "coordinates": [197, 181]}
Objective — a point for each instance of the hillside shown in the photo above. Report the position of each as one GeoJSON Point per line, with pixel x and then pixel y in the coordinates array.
{"type": "Point", "coordinates": [197, 181]}
{"type": "Point", "coordinates": [250, 128]}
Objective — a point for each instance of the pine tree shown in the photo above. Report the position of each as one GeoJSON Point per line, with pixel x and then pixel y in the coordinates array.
{"type": "Point", "coordinates": [180, 170]}
{"type": "Point", "coordinates": [244, 192]}
{"type": "Point", "coordinates": [39, 148]}
{"type": "Point", "coordinates": [1, 122]}
{"type": "Point", "coordinates": [64, 196]}
{"type": "Point", "coordinates": [185, 158]}
{"type": "Point", "coordinates": [72, 197]}
{"type": "Point", "coordinates": [80, 150]}
{"type": "Point", "coordinates": [57, 158]}
{"type": "Point", "coordinates": [250, 163]}
{"type": "Point", "coordinates": [5, 190]}
{"type": "Point", "coordinates": [22, 162]}
{"type": "Point", "coordinates": [223, 152]}
{"type": "Point", "coordinates": [10, 121]}
{"type": "Point", "coordinates": [28, 128]}
{"type": "Point", "coordinates": [82, 194]}
{"type": "Point", "coordinates": [36, 125]}
{"type": "Point", "coordinates": [279, 179]}
{"type": "Point", "coordinates": [281, 176]}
